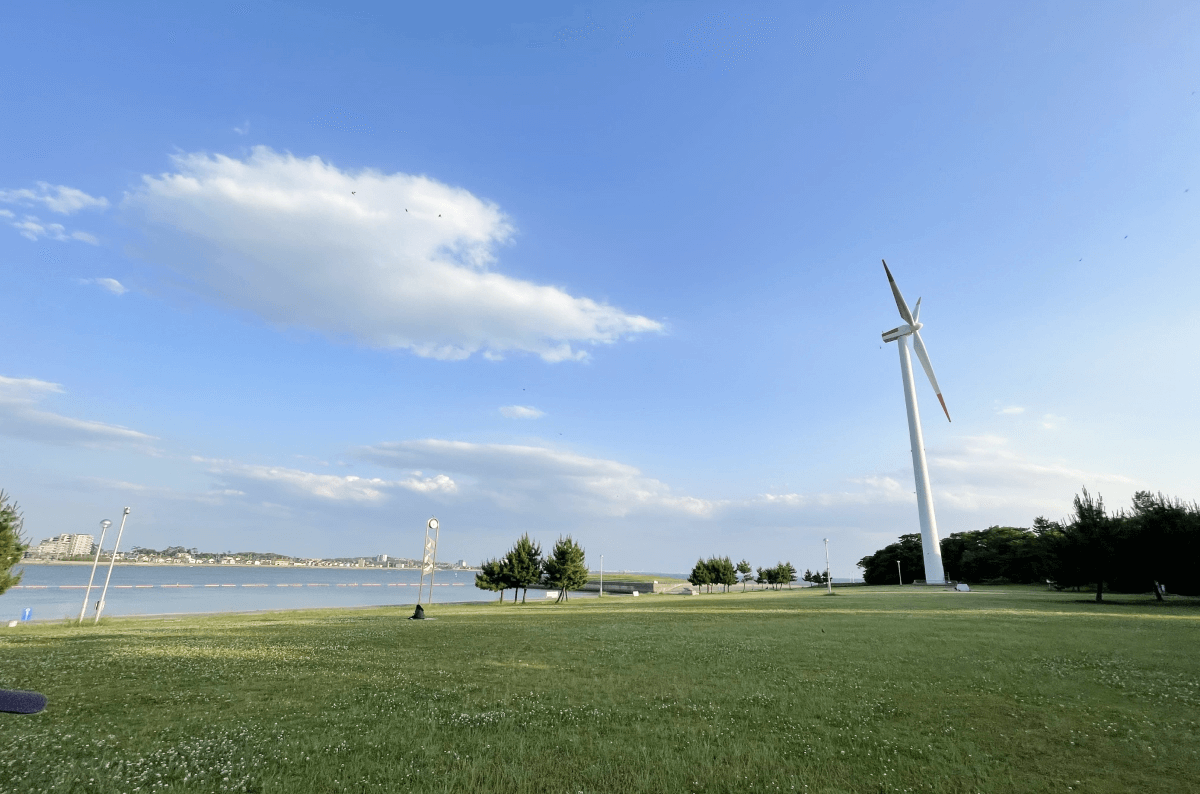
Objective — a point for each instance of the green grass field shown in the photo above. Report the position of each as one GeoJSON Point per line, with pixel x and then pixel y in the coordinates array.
{"type": "Point", "coordinates": [871, 690]}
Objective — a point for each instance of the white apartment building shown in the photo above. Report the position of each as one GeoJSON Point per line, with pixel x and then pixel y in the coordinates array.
{"type": "Point", "coordinates": [66, 545]}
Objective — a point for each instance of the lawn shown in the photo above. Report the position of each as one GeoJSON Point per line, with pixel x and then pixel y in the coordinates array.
{"type": "Point", "coordinates": [870, 690]}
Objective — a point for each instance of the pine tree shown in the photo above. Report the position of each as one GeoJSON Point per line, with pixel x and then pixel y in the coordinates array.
{"type": "Point", "coordinates": [491, 577]}
{"type": "Point", "coordinates": [12, 545]}
{"type": "Point", "coordinates": [743, 568]}
{"type": "Point", "coordinates": [525, 564]}
{"type": "Point", "coordinates": [565, 567]}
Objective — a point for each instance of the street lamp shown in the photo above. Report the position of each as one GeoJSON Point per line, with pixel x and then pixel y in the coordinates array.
{"type": "Point", "coordinates": [828, 581]}
{"type": "Point", "coordinates": [104, 525]}
{"type": "Point", "coordinates": [601, 577]}
{"type": "Point", "coordinates": [111, 562]}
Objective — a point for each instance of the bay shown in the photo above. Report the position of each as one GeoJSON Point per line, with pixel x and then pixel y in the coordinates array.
{"type": "Point", "coordinates": [54, 592]}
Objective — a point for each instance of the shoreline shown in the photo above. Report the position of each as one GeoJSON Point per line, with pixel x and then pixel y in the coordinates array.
{"type": "Point", "coordinates": [120, 563]}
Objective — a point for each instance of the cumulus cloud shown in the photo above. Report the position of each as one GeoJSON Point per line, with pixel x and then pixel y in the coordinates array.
{"type": "Point", "coordinates": [1012, 410]}
{"type": "Point", "coordinates": [394, 260]}
{"type": "Point", "coordinates": [56, 198]}
{"type": "Point", "coordinates": [521, 477]}
{"type": "Point", "coordinates": [333, 487]}
{"type": "Point", "coordinates": [20, 417]}
{"type": "Point", "coordinates": [110, 284]}
{"type": "Point", "coordinates": [521, 412]}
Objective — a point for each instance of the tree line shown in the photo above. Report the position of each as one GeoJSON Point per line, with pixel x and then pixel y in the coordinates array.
{"type": "Point", "coordinates": [1150, 546]}
{"type": "Point", "coordinates": [722, 572]}
{"type": "Point", "coordinates": [564, 569]}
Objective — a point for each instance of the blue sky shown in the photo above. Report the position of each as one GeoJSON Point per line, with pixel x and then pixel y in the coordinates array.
{"type": "Point", "coordinates": [295, 277]}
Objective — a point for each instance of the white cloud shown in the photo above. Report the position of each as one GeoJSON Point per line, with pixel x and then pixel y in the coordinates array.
{"type": "Point", "coordinates": [20, 417]}
{"type": "Point", "coordinates": [32, 228]}
{"type": "Point", "coordinates": [395, 260]}
{"type": "Point", "coordinates": [242, 130]}
{"type": "Point", "coordinates": [521, 412]}
{"type": "Point", "coordinates": [56, 198]}
{"type": "Point", "coordinates": [978, 481]}
{"type": "Point", "coordinates": [524, 477]}
{"type": "Point", "coordinates": [110, 284]}
{"type": "Point", "coordinates": [1052, 422]}
{"type": "Point", "coordinates": [212, 497]}
{"type": "Point", "coordinates": [337, 488]}
{"type": "Point", "coordinates": [1012, 410]}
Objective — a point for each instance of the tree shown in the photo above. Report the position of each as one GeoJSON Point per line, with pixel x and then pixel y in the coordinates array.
{"type": "Point", "coordinates": [701, 574]}
{"type": "Point", "coordinates": [721, 571]}
{"type": "Point", "coordinates": [12, 545]}
{"type": "Point", "coordinates": [1095, 535]}
{"type": "Point", "coordinates": [491, 577]}
{"type": "Point", "coordinates": [1162, 544]}
{"type": "Point", "coordinates": [743, 568]}
{"type": "Point", "coordinates": [880, 567]}
{"type": "Point", "coordinates": [524, 565]}
{"type": "Point", "coordinates": [565, 567]}
{"type": "Point", "coordinates": [996, 555]}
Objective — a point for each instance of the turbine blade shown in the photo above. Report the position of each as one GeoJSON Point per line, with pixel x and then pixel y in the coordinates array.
{"type": "Point", "coordinates": [917, 311]}
{"type": "Point", "coordinates": [900, 304]}
{"type": "Point", "coordinates": [923, 356]}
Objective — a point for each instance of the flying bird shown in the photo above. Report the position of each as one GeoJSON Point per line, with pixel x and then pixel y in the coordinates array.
{"type": "Point", "coordinates": [352, 192]}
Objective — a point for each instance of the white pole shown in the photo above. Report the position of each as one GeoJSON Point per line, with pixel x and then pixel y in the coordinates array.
{"type": "Point", "coordinates": [601, 577]}
{"type": "Point", "coordinates": [828, 581]}
{"type": "Point", "coordinates": [898, 576]}
{"type": "Point", "coordinates": [111, 562]}
{"type": "Point", "coordinates": [436, 533]}
{"type": "Point", "coordinates": [104, 525]}
{"type": "Point", "coordinates": [930, 547]}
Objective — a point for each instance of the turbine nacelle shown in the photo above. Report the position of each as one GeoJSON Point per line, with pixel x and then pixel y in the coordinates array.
{"type": "Point", "coordinates": [903, 330]}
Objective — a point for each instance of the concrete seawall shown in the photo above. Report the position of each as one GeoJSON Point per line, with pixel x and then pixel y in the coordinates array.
{"type": "Point", "coordinates": [624, 587]}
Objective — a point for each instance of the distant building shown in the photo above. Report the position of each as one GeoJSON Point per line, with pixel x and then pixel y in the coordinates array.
{"type": "Point", "coordinates": [65, 546]}
{"type": "Point", "coordinates": [462, 563]}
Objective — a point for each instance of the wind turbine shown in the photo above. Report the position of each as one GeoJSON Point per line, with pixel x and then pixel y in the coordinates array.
{"type": "Point", "coordinates": [930, 547]}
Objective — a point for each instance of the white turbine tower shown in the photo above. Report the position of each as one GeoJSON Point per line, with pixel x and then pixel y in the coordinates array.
{"type": "Point", "coordinates": [930, 547]}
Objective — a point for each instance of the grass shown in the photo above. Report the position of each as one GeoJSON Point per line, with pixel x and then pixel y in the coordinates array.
{"type": "Point", "coordinates": [874, 690]}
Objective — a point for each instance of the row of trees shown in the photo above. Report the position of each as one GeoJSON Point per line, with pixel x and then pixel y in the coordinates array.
{"type": "Point", "coordinates": [1151, 545]}
{"type": "Point", "coordinates": [722, 572]}
{"type": "Point", "coordinates": [524, 566]}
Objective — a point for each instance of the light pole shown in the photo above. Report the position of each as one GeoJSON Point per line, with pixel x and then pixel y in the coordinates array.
{"type": "Point", "coordinates": [828, 581]}
{"type": "Point", "coordinates": [898, 576]}
{"type": "Point", "coordinates": [104, 525]}
{"type": "Point", "coordinates": [111, 562]}
{"type": "Point", "coordinates": [601, 577]}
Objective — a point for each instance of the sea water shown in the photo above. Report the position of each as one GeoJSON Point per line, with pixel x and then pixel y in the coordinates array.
{"type": "Point", "coordinates": [56, 591]}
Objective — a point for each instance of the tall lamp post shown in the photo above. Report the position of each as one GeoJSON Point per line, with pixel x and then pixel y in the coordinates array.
{"type": "Point", "coordinates": [601, 577]}
{"type": "Point", "coordinates": [111, 562]}
{"type": "Point", "coordinates": [104, 525]}
{"type": "Point", "coordinates": [828, 581]}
